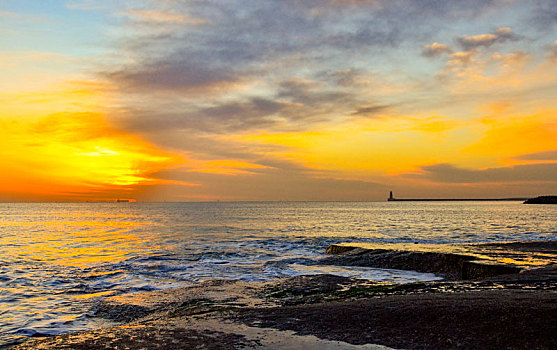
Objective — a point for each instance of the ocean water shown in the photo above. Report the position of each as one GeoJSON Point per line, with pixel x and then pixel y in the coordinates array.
{"type": "Point", "coordinates": [58, 260]}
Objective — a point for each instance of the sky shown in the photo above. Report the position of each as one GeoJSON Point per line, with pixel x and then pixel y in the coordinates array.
{"type": "Point", "coordinates": [232, 100]}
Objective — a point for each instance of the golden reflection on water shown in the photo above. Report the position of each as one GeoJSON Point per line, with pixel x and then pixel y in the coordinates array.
{"type": "Point", "coordinates": [92, 295]}
{"type": "Point", "coordinates": [68, 240]}
{"type": "Point", "coordinates": [81, 223]}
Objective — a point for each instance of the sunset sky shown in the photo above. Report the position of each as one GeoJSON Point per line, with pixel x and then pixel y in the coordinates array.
{"type": "Point", "coordinates": [200, 100]}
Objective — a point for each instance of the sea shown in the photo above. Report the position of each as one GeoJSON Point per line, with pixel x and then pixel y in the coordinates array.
{"type": "Point", "coordinates": [59, 260]}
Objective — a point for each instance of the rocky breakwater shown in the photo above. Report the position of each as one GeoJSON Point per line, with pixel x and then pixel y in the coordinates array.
{"type": "Point", "coordinates": [542, 200]}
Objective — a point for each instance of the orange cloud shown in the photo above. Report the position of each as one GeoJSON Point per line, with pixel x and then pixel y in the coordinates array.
{"type": "Point", "coordinates": [436, 49]}
{"type": "Point", "coordinates": [474, 72]}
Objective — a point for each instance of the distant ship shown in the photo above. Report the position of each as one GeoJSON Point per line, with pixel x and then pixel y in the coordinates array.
{"type": "Point", "coordinates": [122, 201]}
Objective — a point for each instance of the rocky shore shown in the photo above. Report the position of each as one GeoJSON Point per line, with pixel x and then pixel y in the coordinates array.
{"type": "Point", "coordinates": [494, 296]}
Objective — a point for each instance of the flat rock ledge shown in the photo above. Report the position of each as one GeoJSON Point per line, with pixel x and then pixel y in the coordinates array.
{"type": "Point", "coordinates": [457, 262]}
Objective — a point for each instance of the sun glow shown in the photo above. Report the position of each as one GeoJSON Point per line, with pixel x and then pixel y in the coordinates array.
{"type": "Point", "coordinates": [56, 155]}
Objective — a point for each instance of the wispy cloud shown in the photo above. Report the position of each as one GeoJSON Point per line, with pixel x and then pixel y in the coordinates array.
{"type": "Point", "coordinates": [157, 16]}
{"type": "Point", "coordinates": [544, 16]}
{"type": "Point", "coordinates": [7, 14]}
{"type": "Point", "coordinates": [370, 110]}
{"type": "Point", "coordinates": [436, 49]}
{"type": "Point", "coordinates": [540, 156]}
{"type": "Point", "coordinates": [517, 174]}
{"type": "Point", "coordinates": [501, 35]}
{"type": "Point", "coordinates": [186, 75]}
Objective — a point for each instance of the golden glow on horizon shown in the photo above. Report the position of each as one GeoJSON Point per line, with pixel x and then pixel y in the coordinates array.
{"type": "Point", "coordinates": [364, 148]}
{"type": "Point", "coordinates": [397, 145]}
{"type": "Point", "coordinates": [225, 167]}
{"type": "Point", "coordinates": [74, 152]}
{"type": "Point", "coordinates": [62, 154]}
{"type": "Point", "coordinates": [515, 135]}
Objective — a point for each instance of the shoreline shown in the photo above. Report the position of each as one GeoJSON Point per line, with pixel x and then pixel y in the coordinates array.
{"type": "Point", "coordinates": [511, 301]}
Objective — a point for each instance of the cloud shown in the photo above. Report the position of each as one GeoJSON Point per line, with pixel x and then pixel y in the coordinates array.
{"type": "Point", "coordinates": [447, 173]}
{"type": "Point", "coordinates": [233, 116]}
{"type": "Point", "coordinates": [157, 16]}
{"type": "Point", "coordinates": [458, 63]}
{"type": "Point", "coordinates": [435, 49]}
{"type": "Point", "coordinates": [370, 110]}
{"type": "Point", "coordinates": [500, 68]}
{"type": "Point", "coordinates": [541, 156]}
{"type": "Point", "coordinates": [309, 92]}
{"type": "Point", "coordinates": [187, 75]}
{"type": "Point", "coordinates": [472, 42]}
{"type": "Point", "coordinates": [351, 78]}
{"type": "Point", "coordinates": [486, 40]}
{"type": "Point", "coordinates": [264, 38]}
{"type": "Point", "coordinates": [511, 59]}
{"type": "Point", "coordinates": [544, 16]}
{"type": "Point", "coordinates": [462, 58]}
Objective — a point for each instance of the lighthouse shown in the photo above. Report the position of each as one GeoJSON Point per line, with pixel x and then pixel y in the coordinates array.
{"type": "Point", "coordinates": [391, 198]}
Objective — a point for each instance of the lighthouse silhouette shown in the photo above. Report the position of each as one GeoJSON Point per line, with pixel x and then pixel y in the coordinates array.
{"type": "Point", "coordinates": [391, 198]}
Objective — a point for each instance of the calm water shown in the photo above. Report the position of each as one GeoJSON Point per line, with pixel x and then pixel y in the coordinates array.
{"type": "Point", "coordinates": [58, 260]}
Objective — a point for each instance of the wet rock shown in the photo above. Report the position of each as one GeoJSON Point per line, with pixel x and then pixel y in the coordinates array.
{"type": "Point", "coordinates": [339, 249]}
{"type": "Point", "coordinates": [480, 269]}
{"type": "Point", "coordinates": [487, 319]}
{"type": "Point", "coordinates": [449, 265]}
{"type": "Point", "coordinates": [118, 312]}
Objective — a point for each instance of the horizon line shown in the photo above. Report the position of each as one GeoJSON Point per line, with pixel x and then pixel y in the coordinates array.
{"type": "Point", "coordinates": [275, 201]}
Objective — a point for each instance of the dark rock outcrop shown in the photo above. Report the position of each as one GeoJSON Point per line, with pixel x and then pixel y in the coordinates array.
{"type": "Point", "coordinates": [493, 319]}
{"type": "Point", "coordinates": [451, 266]}
{"type": "Point", "coordinates": [542, 200]}
{"type": "Point", "coordinates": [472, 270]}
